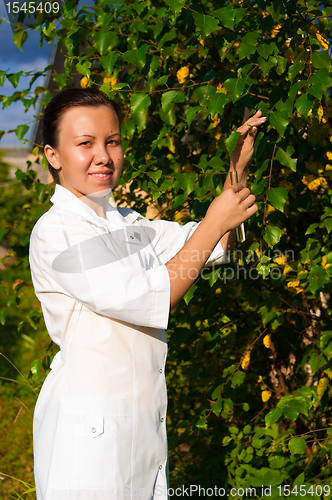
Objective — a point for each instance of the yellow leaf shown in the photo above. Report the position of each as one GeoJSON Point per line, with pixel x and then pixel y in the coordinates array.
{"type": "Point", "coordinates": [84, 82]}
{"type": "Point", "coordinates": [182, 74]}
{"type": "Point", "coordinates": [281, 260]}
{"type": "Point", "coordinates": [322, 40]}
{"type": "Point", "coordinates": [260, 379]}
{"type": "Point", "coordinates": [323, 183]}
{"type": "Point", "coordinates": [320, 113]}
{"type": "Point", "coordinates": [321, 387]}
{"type": "Point", "coordinates": [267, 341]}
{"type": "Point", "coordinates": [245, 360]}
{"type": "Point", "coordinates": [287, 269]}
{"type": "Point", "coordinates": [112, 80]}
{"type": "Point", "coordinates": [221, 89]}
{"type": "Point", "coordinates": [324, 264]}
{"type": "Point", "coordinates": [216, 121]}
{"type": "Point", "coordinates": [266, 396]}
{"type": "Point", "coordinates": [286, 184]}
{"type": "Point", "coordinates": [276, 30]}
{"type": "Point", "coordinates": [329, 155]}
{"type": "Point", "coordinates": [16, 283]}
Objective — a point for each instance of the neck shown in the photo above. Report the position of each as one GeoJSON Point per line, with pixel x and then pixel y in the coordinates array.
{"type": "Point", "coordinates": [97, 202]}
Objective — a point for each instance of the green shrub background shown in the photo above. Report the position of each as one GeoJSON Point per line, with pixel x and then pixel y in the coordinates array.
{"type": "Point", "coordinates": [249, 367]}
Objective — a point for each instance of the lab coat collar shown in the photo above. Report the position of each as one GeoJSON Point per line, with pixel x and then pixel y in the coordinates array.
{"type": "Point", "coordinates": [68, 201]}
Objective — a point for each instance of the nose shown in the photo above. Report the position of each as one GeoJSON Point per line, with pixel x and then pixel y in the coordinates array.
{"type": "Point", "coordinates": [102, 155]}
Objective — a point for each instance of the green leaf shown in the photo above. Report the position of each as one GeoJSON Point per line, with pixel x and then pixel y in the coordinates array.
{"type": "Point", "coordinates": [187, 181]}
{"type": "Point", "coordinates": [248, 44]}
{"type": "Point", "coordinates": [231, 141]}
{"type": "Point", "coordinates": [3, 315]}
{"type": "Point", "coordinates": [169, 98]}
{"type": "Point", "coordinates": [139, 102]}
{"type": "Point", "coordinates": [297, 445]}
{"type": "Point", "coordinates": [44, 162]}
{"type": "Point", "coordinates": [155, 176]}
{"type": "Point", "coordinates": [83, 68]}
{"type": "Point", "coordinates": [103, 41]}
{"type": "Point", "coordinates": [273, 416]}
{"type": "Point", "coordinates": [191, 113]}
{"type": "Point", "coordinates": [279, 121]}
{"type": "Point", "coordinates": [304, 103]}
{"type": "Point", "coordinates": [189, 295]}
{"type": "Point", "coordinates": [226, 16]}
{"type": "Point", "coordinates": [216, 103]}
{"type": "Point", "coordinates": [137, 56]}
{"type": "Point", "coordinates": [14, 78]}
{"type": "Point", "coordinates": [176, 5]}
{"type": "Point", "coordinates": [266, 49]}
{"type": "Point", "coordinates": [139, 109]}
{"type": "Point", "coordinates": [278, 197]}
{"type": "Point", "coordinates": [108, 62]}
{"type": "Point", "coordinates": [272, 235]}
{"type": "Point", "coordinates": [321, 76]}
{"type": "Point", "coordinates": [20, 131]}
{"type": "Point", "coordinates": [322, 59]}
{"type": "Point", "coordinates": [291, 411]}
{"type": "Point", "coordinates": [19, 38]}
{"type": "Point", "coordinates": [235, 87]}
{"type": "Point", "coordinates": [35, 368]}
{"type": "Point", "coordinates": [237, 378]}
{"type": "Point", "coordinates": [61, 79]}
{"type": "Point", "coordinates": [285, 157]}
{"type": "Point", "coordinates": [207, 24]}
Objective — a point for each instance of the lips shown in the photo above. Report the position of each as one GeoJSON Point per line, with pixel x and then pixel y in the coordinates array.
{"type": "Point", "coordinates": [102, 176]}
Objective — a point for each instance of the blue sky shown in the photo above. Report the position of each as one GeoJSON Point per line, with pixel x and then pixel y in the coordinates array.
{"type": "Point", "coordinates": [32, 57]}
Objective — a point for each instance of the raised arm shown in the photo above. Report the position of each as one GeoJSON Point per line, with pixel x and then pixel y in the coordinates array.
{"type": "Point", "coordinates": [240, 159]}
{"type": "Point", "coordinates": [226, 212]}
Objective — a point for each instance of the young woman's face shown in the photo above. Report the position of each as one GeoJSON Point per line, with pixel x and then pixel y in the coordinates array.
{"type": "Point", "coordinates": [89, 155]}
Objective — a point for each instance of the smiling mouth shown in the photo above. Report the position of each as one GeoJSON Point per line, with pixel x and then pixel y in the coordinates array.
{"type": "Point", "coordinates": [102, 177]}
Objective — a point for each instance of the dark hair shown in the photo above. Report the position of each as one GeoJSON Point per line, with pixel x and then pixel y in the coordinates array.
{"type": "Point", "coordinates": [60, 103]}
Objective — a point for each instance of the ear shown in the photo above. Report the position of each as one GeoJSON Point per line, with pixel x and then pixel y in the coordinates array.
{"type": "Point", "coordinates": [52, 156]}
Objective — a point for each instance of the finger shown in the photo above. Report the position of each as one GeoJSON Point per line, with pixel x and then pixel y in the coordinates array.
{"type": "Point", "coordinates": [244, 194]}
{"type": "Point", "coordinates": [251, 211]}
{"type": "Point", "coordinates": [249, 200]}
{"type": "Point", "coordinates": [237, 187]}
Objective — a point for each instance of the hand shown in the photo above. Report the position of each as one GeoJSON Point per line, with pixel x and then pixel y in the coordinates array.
{"type": "Point", "coordinates": [232, 207]}
{"type": "Point", "coordinates": [244, 149]}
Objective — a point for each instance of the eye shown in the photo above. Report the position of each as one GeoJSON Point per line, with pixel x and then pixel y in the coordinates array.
{"type": "Point", "coordinates": [114, 142]}
{"type": "Point", "coordinates": [84, 143]}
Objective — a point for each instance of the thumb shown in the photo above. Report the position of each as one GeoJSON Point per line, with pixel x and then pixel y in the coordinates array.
{"type": "Point", "coordinates": [252, 133]}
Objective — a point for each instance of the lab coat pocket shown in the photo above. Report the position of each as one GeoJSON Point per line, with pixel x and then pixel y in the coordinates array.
{"type": "Point", "coordinates": [94, 448]}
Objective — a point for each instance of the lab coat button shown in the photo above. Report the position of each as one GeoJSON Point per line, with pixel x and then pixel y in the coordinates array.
{"type": "Point", "coordinates": [161, 370]}
{"type": "Point", "coordinates": [131, 237]}
{"type": "Point", "coordinates": [93, 430]}
{"type": "Point", "coordinates": [161, 420]}
{"type": "Point", "coordinates": [160, 467]}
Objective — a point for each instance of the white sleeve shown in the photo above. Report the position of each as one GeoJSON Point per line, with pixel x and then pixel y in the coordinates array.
{"type": "Point", "coordinates": [67, 255]}
{"type": "Point", "coordinates": [172, 236]}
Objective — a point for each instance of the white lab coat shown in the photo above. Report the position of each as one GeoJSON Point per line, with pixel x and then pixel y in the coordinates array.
{"type": "Point", "coordinates": [100, 419]}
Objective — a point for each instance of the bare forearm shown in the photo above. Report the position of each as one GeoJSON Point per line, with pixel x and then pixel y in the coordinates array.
{"type": "Point", "coordinates": [227, 241]}
{"type": "Point", "coordinates": [185, 266]}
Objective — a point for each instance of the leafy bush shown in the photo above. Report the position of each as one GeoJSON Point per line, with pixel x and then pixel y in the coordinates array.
{"type": "Point", "coordinates": [250, 347]}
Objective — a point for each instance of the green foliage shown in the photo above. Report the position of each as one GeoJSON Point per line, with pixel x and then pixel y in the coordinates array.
{"type": "Point", "coordinates": [249, 364]}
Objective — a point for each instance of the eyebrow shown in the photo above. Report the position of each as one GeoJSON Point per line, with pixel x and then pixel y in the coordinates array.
{"type": "Point", "coordinates": [93, 137]}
